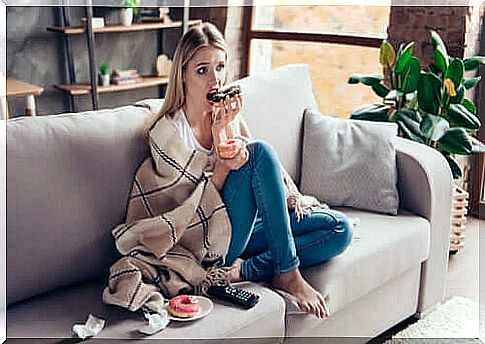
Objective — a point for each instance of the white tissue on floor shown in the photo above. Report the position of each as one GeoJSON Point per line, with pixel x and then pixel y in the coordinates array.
{"type": "Point", "coordinates": [156, 322]}
{"type": "Point", "coordinates": [91, 328]}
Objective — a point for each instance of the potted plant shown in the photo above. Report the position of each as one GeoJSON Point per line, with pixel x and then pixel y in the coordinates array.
{"type": "Point", "coordinates": [104, 78]}
{"type": "Point", "coordinates": [429, 106]}
{"type": "Point", "coordinates": [130, 9]}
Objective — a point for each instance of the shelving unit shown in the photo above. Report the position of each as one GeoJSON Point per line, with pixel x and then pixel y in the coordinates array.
{"type": "Point", "coordinates": [83, 89]}
{"type": "Point", "coordinates": [77, 30]}
{"type": "Point", "coordinates": [72, 88]}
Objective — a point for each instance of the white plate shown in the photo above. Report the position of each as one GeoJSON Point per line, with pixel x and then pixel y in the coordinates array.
{"type": "Point", "coordinates": [206, 306]}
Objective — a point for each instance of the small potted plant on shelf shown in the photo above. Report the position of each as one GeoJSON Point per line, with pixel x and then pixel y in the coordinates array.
{"type": "Point", "coordinates": [130, 8]}
{"type": "Point", "coordinates": [104, 78]}
{"type": "Point", "coordinates": [429, 106]}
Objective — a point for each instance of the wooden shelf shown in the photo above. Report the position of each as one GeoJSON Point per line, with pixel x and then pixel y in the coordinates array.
{"type": "Point", "coordinates": [77, 30]}
{"type": "Point", "coordinates": [82, 89]}
{"type": "Point", "coordinates": [17, 88]}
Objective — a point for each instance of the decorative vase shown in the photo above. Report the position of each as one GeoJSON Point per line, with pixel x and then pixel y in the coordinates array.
{"type": "Point", "coordinates": [126, 16]}
{"type": "Point", "coordinates": [104, 79]}
{"type": "Point", "coordinates": [458, 219]}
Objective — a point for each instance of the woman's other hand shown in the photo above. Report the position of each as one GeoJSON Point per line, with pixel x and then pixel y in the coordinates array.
{"type": "Point", "coordinates": [239, 160]}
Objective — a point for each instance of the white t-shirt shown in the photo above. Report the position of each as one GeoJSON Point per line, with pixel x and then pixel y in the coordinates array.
{"type": "Point", "coordinates": [187, 134]}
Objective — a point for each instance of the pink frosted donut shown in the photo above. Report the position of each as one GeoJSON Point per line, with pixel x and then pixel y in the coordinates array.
{"type": "Point", "coordinates": [183, 306]}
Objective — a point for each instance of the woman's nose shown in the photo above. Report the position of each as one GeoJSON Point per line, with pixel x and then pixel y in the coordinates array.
{"type": "Point", "coordinates": [215, 78]}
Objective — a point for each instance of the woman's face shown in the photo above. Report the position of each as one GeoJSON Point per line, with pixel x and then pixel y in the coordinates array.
{"type": "Point", "coordinates": [205, 72]}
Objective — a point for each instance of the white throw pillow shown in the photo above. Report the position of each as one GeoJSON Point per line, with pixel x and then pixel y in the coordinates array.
{"type": "Point", "coordinates": [274, 102]}
{"type": "Point", "coordinates": [350, 163]}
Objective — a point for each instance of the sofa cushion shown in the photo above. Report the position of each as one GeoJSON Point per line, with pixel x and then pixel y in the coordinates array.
{"type": "Point", "coordinates": [52, 315]}
{"type": "Point", "coordinates": [273, 104]}
{"type": "Point", "coordinates": [68, 181]}
{"type": "Point", "coordinates": [383, 247]}
{"type": "Point", "coordinates": [350, 163]}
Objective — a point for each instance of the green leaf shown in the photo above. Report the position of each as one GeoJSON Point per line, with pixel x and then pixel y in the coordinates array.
{"type": "Point", "coordinates": [434, 127]}
{"type": "Point", "coordinates": [408, 130]}
{"type": "Point", "coordinates": [474, 62]}
{"type": "Point", "coordinates": [470, 83]}
{"type": "Point", "coordinates": [459, 116]}
{"type": "Point", "coordinates": [366, 79]}
{"type": "Point", "coordinates": [381, 90]}
{"type": "Point", "coordinates": [412, 114]}
{"type": "Point", "coordinates": [454, 166]}
{"type": "Point", "coordinates": [387, 55]}
{"type": "Point", "coordinates": [441, 59]}
{"type": "Point", "coordinates": [469, 106]}
{"type": "Point", "coordinates": [394, 94]}
{"type": "Point", "coordinates": [456, 141]}
{"type": "Point", "coordinates": [455, 72]}
{"type": "Point", "coordinates": [409, 126]}
{"type": "Point", "coordinates": [372, 112]}
{"type": "Point", "coordinates": [460, 95]}
{"type": "Point", "coordinates": [408, 113]}
{"type": "Point", "coordinates": [410, 75]}
{"type": "Point", "coordinates": [429, 93]}
{"type": "Point", "coordinates": [477, 146]}
{"type": "Point", "coordinates": [435, 70]}
{"type": "Point", "coordinates": [440, 54]}
{"type": "Point", "coordinates": [403, 58]}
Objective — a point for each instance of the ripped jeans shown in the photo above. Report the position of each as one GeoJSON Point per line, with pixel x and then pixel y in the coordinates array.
{"type": "Point", "coordinates": [264, 232]}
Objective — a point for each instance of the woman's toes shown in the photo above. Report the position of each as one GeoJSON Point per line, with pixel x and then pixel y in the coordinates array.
{"type": "Point", "coordinates": [305, 307]}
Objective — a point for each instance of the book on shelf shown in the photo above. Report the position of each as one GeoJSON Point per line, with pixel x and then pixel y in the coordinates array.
{"type": "Point", "coordinates": [126, 81]}
{"type": "Point", "coordinates": [127, 73]}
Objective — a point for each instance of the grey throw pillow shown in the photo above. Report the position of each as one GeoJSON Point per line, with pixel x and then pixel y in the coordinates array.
{"type": "Point", "coordinates": [350, 163]}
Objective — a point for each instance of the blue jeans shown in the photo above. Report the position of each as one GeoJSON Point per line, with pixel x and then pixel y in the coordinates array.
{"type": "Point", "coordinates": [264, 232]}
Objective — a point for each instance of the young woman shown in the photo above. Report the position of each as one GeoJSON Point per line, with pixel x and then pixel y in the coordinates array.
{"type": "Point", "coordinates": [270, 240]}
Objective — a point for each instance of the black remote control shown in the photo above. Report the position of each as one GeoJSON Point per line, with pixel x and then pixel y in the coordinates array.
{"type": "Point", "coordinates": [238, 296]}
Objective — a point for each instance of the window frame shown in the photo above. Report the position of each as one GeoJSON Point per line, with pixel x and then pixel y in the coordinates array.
{"type": "Point", "coordinates": [370, 41]}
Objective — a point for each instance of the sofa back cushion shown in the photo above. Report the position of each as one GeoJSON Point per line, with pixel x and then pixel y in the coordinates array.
{"type": "Point", "coordinates": [68, 181]}
{"type": "Point", "coordinates": [274, 102]}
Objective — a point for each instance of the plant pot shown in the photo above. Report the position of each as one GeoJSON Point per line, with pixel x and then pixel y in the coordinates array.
{"type": "Point", "coordinates": [126, 16]}
{"type": "Point", "coordinates": [104, 79]}
{"type": "Point", "coordinates": [459, 203]}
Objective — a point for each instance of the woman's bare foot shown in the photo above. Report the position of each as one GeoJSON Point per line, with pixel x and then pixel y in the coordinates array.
{"type": "Point", "coordinates": [310, 300]}
{"type": "Point", "coordinates": [235, 273]}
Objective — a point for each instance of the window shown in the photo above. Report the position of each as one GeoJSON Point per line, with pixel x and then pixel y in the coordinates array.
{"type": "Point", "coordinates": [335, 41]}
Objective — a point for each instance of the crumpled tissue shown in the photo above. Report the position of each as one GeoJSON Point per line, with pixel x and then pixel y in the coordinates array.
{"type": "Point", "coordinates": [91, 328]}
{"type": "Point", "coordinates": [156, 322]}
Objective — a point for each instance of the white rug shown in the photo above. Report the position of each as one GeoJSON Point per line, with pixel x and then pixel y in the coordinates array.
{"type": "Point", "coordinates": [457, 317]}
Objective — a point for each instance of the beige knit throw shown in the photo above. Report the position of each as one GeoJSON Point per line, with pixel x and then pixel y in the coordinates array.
{"type": "Point", "coordinates": [177, 229]}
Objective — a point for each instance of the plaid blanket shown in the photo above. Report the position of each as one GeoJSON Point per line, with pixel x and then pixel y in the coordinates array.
{"type": "Point", "coordinates": [177, 229]}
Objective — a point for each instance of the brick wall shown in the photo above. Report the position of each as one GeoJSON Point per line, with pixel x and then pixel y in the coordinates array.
{"type": "Point", "coordinates": [412, 23]}
{"type": "Point", "coordinates": [235, 37]}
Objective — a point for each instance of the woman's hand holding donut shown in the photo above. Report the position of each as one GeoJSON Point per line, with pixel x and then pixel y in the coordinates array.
{"type": "Point", "coordinates": [225, 112]}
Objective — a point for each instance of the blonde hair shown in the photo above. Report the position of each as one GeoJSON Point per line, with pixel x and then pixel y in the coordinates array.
{"type": "Point", "coordinates": [196, 37]}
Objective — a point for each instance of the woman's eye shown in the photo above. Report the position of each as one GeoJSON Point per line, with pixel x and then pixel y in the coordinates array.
{"type": "Point", "coordinates": [220, 67]}
{"type": "Point", "coordinates": [201, 70]}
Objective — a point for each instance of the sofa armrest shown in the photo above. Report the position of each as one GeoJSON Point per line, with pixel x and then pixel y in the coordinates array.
{"type": "Point", "coordinates": [425, 188]}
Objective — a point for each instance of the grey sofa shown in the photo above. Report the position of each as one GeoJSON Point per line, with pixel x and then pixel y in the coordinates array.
{"type": "Point", "coordinates": [68, 179]}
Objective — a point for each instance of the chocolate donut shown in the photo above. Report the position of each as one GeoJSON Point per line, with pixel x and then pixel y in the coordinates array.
{"type": "Point", "coordinates": [225, 93]}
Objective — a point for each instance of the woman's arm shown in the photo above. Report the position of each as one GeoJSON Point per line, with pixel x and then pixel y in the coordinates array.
{"type": "Point", "coordinates": [221, 117]}
{"type": "Point", "coordinates": [219, 176]}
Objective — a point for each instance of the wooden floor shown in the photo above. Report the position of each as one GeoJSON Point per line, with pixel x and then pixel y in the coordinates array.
{"type": "Point", "coordinates": [463, 268]}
